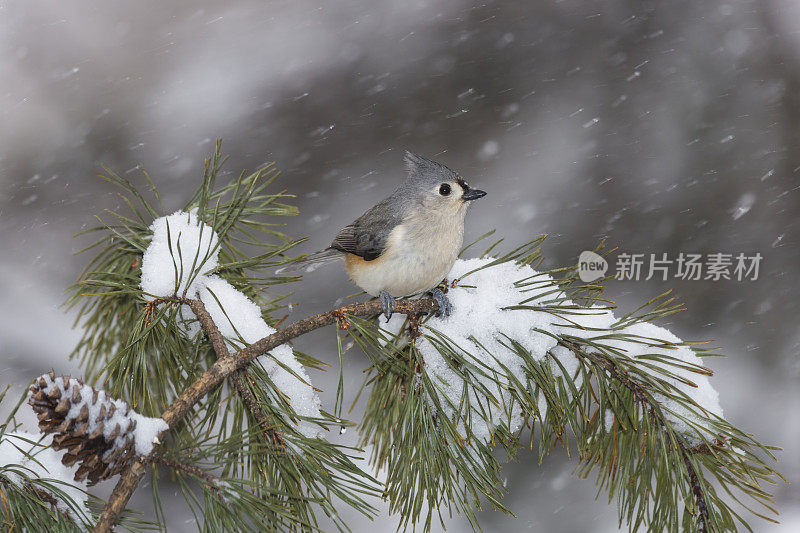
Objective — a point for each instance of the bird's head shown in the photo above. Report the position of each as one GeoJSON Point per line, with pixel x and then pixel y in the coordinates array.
{"type": "Point", "coordinates": [435, 186]}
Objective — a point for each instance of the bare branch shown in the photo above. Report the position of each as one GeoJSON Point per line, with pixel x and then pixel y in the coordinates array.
{"type": "Point", "coordinates": [124, 489]}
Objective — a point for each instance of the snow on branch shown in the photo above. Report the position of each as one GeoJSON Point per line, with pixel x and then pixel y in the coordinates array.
{"type": "Point", "coordinates": [521, 347]}
{"type": "Point", "coordinates": [501, 305]}
{"type": "Point", "coordinates": [178, 262]}
{"type": "Point", "coordinates": [33, 465]}
{"type": "Point", "coordinates": [102, 433]}
{"type": "Point", "coordinates": [182, 250]}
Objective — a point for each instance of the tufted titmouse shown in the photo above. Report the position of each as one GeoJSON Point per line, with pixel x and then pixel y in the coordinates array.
{"type": "Point", "coordinates": [407, 243]}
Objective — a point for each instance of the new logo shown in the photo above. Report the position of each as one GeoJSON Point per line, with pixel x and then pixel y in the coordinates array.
{"type": "Point", "coordinates": [591, 266]}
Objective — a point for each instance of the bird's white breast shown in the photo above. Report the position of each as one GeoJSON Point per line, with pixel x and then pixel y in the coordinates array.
{"type": "Point", "coordinates": [418, 255]}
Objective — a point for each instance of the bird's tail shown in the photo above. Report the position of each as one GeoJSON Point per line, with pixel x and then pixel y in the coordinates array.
{"type": "Point", "coordinates": [311, 262]}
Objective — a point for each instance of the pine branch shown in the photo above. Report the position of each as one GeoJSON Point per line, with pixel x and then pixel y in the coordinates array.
{"type": "Point", "coordinates": [442, 402]}
{"type": "Point", "coordinates": [654, 408]}
{"type": "Point", "coordinates": [227, 365]}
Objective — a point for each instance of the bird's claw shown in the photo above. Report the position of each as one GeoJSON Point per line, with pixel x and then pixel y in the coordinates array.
{"type": "Point", "coordinates": [445, 307]}
{"type": "Point", "coordinates": [388, 304]}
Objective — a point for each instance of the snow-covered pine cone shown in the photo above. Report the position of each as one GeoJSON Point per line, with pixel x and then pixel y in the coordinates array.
{"type": "Point", "coordinates": [98, 431]}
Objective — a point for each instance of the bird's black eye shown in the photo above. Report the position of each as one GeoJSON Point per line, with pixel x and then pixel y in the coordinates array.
{"type": "Point", "coordinates": [444, 190]}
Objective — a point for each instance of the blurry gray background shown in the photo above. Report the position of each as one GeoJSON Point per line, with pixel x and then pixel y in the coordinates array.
{"type": "Point", "coordinates": [664, 126]}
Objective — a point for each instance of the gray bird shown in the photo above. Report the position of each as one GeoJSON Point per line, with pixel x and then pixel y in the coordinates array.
{"type": "Point", "coordinates": [407, 243]}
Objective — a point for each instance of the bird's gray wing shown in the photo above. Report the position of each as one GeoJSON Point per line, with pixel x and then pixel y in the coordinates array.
{"type": "Point", "coordinates": [366, 237]}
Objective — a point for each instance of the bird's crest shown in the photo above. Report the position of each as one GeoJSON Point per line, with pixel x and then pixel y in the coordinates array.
{"type": "Point", "coordinates": [421, 169]}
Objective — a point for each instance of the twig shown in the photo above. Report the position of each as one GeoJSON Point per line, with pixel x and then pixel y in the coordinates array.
{"type": "Point", "coordinates": [273, 434]}
{"type": "Point", "coordinates": [212, 482]}
{"type": "Point", "coordinates": [238, 377]}
{"type": "Point", "coordinates": [641, 394]}
{"type": "Point", "coordinates": [224, 367]}
{"type": "Point", "coordinates": [209, 327]}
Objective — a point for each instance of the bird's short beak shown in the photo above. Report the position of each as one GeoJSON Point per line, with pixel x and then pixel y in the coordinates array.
{"type": "Point", "coordinates": [472, 194]}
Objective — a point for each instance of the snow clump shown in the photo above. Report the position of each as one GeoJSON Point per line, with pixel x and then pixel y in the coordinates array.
{"type": "Point", "coordinates": [179, 258]}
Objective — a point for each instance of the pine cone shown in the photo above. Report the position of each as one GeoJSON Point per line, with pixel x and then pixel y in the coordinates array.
{"type": "Point", "coordinates": [95, 429]}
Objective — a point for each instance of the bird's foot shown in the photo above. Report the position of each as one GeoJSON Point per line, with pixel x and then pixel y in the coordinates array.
{"type": "Point", "coordinates": [388, 304]}
{"type": "Point", "coordinates": [445, 307]}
